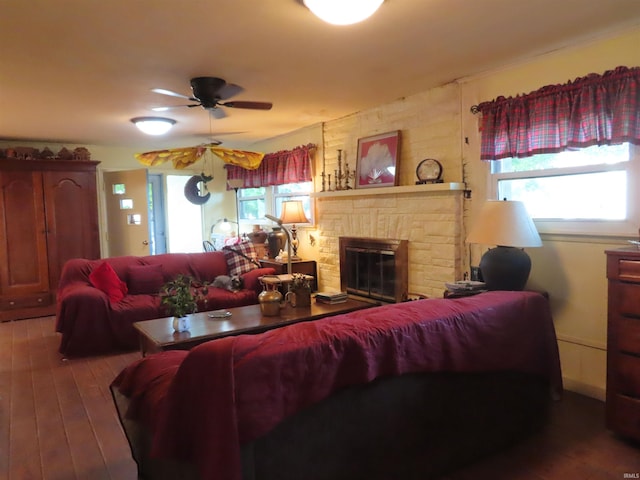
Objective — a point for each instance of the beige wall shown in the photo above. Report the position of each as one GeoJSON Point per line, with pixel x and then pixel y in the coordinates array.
{"type": "Point", "coordinates": [570, 268]}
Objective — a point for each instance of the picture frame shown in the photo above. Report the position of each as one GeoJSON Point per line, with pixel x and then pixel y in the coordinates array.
{"type": "Point", "coordinates": [377, 160]}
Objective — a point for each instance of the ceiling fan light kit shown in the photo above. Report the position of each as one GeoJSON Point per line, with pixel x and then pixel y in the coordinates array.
{"type": "Point", "coordinates": [343, 12]}
{"type": "Point", "coordinates": [153, 125]}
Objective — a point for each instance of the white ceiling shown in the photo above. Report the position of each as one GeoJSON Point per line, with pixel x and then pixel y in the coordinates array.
{"type": "Point", "coordinates": [76, 71]}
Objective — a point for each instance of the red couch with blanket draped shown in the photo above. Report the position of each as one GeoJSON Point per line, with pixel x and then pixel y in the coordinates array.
{"type": "Point", "coordinates": [409, 390]}
{"type": "Point", "coordinates": [99, 300]}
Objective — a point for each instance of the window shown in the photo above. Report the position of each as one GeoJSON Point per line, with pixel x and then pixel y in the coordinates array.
{"type": "Point", "coordinates": [590, 190]}
{"type": "Point", "coordinates": [293, 191]}
{"type": "Point", "coordinates": [251, 203]}
{"type": "Point", "coordinates": [254, 203]}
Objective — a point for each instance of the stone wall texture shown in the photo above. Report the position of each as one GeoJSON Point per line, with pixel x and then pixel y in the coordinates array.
{"type": "Point", "coordinates": [430, 127]}
{"type": "Point", "coordinates": [431, 222]}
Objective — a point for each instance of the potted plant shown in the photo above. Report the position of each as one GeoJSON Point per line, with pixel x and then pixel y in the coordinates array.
{"type": "Point", "coordinates": [300, 287]}
{"type": "Point", "coordinates": [181, 297]}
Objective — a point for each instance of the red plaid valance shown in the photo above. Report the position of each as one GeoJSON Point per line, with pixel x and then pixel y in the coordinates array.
{"type": "Point", "coordinates": [287, 166]}
{"type": "Point", "coordinates": [592, 110]}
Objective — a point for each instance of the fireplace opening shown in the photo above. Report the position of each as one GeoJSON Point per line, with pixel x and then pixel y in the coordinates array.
{"type": "Point", "coordinates": [374, 268]}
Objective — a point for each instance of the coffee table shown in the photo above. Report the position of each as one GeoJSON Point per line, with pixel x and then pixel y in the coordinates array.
{"type": "Point", "coordinates": [157, 335]}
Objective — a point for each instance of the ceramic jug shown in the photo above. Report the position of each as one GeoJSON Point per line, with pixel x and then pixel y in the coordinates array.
{"type": "Point", "coordinates": [270, 299]}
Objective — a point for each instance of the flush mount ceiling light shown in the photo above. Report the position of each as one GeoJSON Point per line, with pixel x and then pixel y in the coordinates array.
{"type": "Point", "coordinates": [343, 12]}
{"type": "Point", "coordinates": [153, 125]}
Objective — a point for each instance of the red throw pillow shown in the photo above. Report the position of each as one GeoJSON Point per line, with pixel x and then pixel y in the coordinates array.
{"type": "Point", "coordinates": [104, 278]}
{"type": "Point", "coordinates": [145, 279]}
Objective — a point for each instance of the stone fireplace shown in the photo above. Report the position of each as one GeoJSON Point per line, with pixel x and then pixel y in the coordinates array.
{"type": "Point", "coordinates": [374, 268]}
{"type": "Point", "coordinates": [428, 217]}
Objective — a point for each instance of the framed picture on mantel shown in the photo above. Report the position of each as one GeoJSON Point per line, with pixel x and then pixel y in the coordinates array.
{"type": "Point", "coordinates": [377, 160]}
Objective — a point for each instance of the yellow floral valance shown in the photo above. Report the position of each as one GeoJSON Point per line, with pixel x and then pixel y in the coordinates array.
{"type": "Point", "coordinates": [183, 157]}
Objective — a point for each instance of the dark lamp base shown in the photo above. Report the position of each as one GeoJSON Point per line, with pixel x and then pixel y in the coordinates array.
{"type": "Point", "coordinates": [505, 268]}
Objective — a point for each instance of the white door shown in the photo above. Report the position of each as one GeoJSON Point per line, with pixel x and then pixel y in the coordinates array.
{"type": "Point", "coordinates": [127, 212]}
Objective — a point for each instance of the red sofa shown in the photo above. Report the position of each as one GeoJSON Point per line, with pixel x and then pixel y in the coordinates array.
{"type": "Point", "coordinates": [91, 323]}
{"type": "Point", "coordinates": [410, 390]}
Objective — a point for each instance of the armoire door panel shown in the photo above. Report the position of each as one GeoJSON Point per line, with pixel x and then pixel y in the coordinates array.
{"type": "Point", "coordinates": [48, 215]}
{"type": "Point", "coordinates": [71, 219]}
{"type": "Point", "coordinates": [23, 249]}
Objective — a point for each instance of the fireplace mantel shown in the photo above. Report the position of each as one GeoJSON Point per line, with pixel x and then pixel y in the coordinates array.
{"type": "Point", "coordinates": [360, 192]}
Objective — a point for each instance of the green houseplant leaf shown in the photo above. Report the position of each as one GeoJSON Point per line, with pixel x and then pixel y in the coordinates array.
{"type": "Point", "coordinates": [180, 296]}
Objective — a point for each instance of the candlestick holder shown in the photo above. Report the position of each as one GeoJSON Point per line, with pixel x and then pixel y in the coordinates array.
{"type": "Point", "coordinates": [340, 178]}
{"type": "Point", "coordinates": [350, 175]}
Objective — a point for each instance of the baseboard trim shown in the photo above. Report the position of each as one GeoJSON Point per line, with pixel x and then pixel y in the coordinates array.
{"type": "Point", "coordinates": [599, 393]}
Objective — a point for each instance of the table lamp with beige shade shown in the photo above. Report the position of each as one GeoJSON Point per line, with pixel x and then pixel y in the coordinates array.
{"type": "Point", "coordinates": [506, 224]}
{"type": "Point", "coordinates": [292, 214]}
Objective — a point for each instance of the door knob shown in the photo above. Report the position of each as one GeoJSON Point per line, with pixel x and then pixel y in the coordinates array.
{"type": "Point", "coordinates": [145, 242]}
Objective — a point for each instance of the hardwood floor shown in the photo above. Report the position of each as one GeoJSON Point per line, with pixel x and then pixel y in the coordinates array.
{"type": "Point", "coordinates": [57, 421]}
{"type": "Point", "coordinates": [573, 445]}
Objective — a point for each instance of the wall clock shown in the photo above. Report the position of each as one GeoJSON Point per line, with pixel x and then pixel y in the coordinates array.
{"type": "Point", "coordinates": [429, 170]}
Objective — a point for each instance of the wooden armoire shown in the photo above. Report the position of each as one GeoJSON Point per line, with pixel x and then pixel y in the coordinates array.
{"type": "Point", "coordinates": [48, 214]}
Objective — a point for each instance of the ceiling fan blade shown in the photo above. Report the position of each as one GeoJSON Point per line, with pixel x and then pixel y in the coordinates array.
{"type": "Point", "coordinates": [162, 91]}
{"type": "Point", "coordinates": [250, 105]}
{"type": "Point", "coordinates": [229, 90]}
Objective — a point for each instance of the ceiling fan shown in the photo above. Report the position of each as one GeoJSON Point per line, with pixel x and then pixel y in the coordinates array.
{"type": "Point", "coordinates": [210, 93]}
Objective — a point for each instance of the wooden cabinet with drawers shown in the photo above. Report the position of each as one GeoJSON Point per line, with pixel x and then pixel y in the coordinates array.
{"type": "Point", "coordinates": [623, 342]}
{"type": "Point", "coordinates": [48, 214]}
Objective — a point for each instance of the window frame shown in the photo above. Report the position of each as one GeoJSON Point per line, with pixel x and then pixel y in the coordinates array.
{"type": "Point", "coordinates": [587, 227]}
{"type": "Point", "coordinates": [241, 198]}
{"type": "Point", "coordinates": [293, 196]}
{"type": "Point", "coordinates": [270, 201]}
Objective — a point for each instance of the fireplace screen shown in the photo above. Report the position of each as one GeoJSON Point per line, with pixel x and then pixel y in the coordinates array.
{"type": "Point", "coordinates": [375, 269]}
{"type": "Point", "coordinates": [371, 273]}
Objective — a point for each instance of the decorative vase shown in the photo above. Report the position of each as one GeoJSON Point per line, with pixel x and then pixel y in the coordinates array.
{"type": "Point", "coordinates": [181, 324]}
{"type": "Point", "coordinates": [276, 240]}
{"type": "Point", "coordinates": [270, 299]}
{"type": "Point", "coordinates": [299, 297]}
{"type": "Point", "coordinates": [258, 235]}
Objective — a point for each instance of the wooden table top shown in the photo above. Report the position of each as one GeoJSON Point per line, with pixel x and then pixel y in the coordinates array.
{"type": "Point", "coordinates": [246, 319]}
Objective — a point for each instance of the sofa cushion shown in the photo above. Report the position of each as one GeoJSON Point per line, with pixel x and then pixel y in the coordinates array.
{"type": "Point", "coordinates": [207, 266]}
{"type": "Point", "coordinates": [173, 264]}
{"type": "Point", "coordinates": [241, 258]}
{"type": "Point", "coordinates": [145, 279]}
{"type": "Point", "coordinates": [104, 278]}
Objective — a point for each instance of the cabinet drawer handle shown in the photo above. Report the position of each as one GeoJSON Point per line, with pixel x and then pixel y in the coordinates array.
{"type": "Point", "coordinates": [12, 302]}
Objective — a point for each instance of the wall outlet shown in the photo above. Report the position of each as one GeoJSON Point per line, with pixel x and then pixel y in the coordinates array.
{"type": "Point", "coordinates": [476, 274]}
